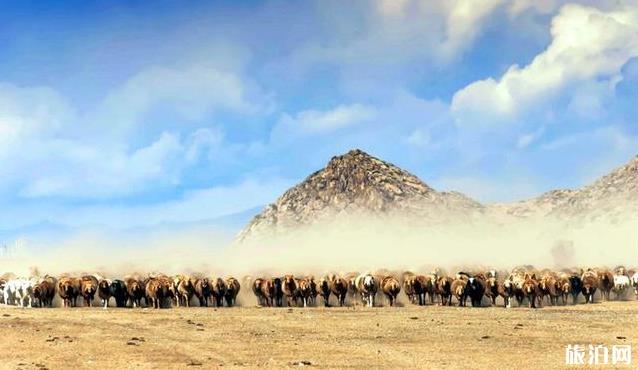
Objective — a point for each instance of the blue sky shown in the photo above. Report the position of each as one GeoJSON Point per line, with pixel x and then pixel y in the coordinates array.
{"type": "Point", "coordinates": [124, 114]}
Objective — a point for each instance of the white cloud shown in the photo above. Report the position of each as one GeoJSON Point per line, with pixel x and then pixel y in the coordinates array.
{"type": "Point", "coordinates": [203, 141]}
{"type": "Point", "coordinates": [28, 112]}
{"type": "Point", "coordinates": [50, 150]}
{"type": "Point", "coordinates": [526, 140]}
{"type": "Point", "coordinates": [74, 169]}
{"type": "Point", "coordinates": [419, 138]}
{"type": "Point", "coordinates": [192, 92]}
{"type": "Point", "coordinates": [315, 122]}
{"type": "Point", "coordinates": [464, 21]}
{"type": "Point", "coordinates": [517, 7]}
{"type": "Point", "coordinates": [587, 44]}
{"type": "Point", "coordinates": [384, 33]}
{"type": "Point", "coordinates": [589, 100]}
{"type": "Point", "coordinates": [47, 155]}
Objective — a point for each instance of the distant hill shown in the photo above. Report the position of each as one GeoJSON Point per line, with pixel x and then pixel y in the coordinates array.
{"type": "Point", "coordinates": [612, 196]}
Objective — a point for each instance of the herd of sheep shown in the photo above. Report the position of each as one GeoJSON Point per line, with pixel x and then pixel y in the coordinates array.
{"type": "Point", "coordinates": [523, 285]}
{"type": "Point", "coordinates": [158, 291]}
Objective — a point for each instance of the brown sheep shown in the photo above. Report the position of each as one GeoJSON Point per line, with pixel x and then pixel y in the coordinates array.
{"type": "Point", "coordinates": [339, 287]}
{"type": "Point", "coordinates": [183, 290]}
{"type": "Point", "coordinates": [430, 286]}
{"type": "Point", "coordinates": [3, 283]}
{"type": "Point", "coordinates": [458, 290]}
{"type": "Point", "coordinates": [304, 291]}
{"type": "Point", "coordinates": [157, 291]}
{"type": "Point", "coordinates": [564, 287]}
{"type": "Point", "coordinates": [444, 290]}
{"type": "Point", "coordinates": [167, 292]}
{"type": "Point", "coordinates": [515, 285]}
{"type": "Point", "coordinates": [420, 284]}
{"type": "Point", "coordinates": [289, 287]}
{"type": "Point", "coordinates": [408, 286]}
{"type": "Point", "coordinates": [232, 289]}
{"type": "Point", "coordinates": [531, 290]}
{"type": "Point", "coordinates": [314, 290]}
{"type": "Point", "coordinates": [44, 291]}
{"type": "Point", "coordinates": [323, 289]}
{"type": "Point", "coordinates": [549, 287]}
{"type": "Point", "coordinates": [203, 291]}
{"type": "Point", "coordinates": [390, 287]}
{"type": "Point", "coordinates": [352, 287]}
{"type": "Point", "coordinates": [256, 288]}
{"type": "Point", "coordinates": [264, 291]}
{"type": "Point", "coordinates": [267, 289]}
{"type": "Point", "coordinates": [171, 294]}
{"type": "Point", "coordinates": [88, 288]}
{"type": "Point", "coordinates": [605, 283]}
{"type": "Point", "coordinates": [218, 291]}
{"type": "Point", "coordinates": [589, 285]}
{"type": "Point", "coordinates": [136, 291]}
{"type": "Point", "coordinates": [492, 288]}
{"type": "Point", "coordinates": [104, 292]}
{"type": "Point", "coordinates": [68, 290]}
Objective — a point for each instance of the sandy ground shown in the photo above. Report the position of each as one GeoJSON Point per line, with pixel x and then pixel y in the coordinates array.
{"type": "Point", "coordinates": [400, 337]}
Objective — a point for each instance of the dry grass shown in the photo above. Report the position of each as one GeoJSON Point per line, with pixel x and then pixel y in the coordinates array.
{"type": "Point", "coordinates": [402, 337]}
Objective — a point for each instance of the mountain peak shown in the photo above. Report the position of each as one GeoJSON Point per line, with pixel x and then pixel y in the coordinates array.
{"type": "Point", "coordinates": [354, 183]}
{"type": "Point", "coordinates": [355, 152]}
{"type": "Point", "coordinates": [353, 157]}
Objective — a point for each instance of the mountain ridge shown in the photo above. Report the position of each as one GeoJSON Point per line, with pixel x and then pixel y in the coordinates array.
{"type": "Point", "coordinates": [357, 183]}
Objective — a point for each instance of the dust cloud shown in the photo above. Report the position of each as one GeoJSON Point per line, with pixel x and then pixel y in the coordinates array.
{"type": "Point", "coordinates": [360, 244]}
{"type": "Point", "coordinates": [343, 245]}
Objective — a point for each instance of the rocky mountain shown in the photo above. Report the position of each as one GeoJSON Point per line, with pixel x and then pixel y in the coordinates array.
{"type": "Point", "coordinates": [542, 205]}
{"type": "Point", "coordinates": [616, 191]}
{"type": "Point", "coordinates": [610, 196]}
{"type": "Point", "coordinates": [358, 183]}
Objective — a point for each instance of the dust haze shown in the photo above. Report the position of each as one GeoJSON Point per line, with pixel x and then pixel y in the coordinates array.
{"type": "Point", "coordinates": [345, 244]}
{"type": "Point", "coordinates": [361, 244]}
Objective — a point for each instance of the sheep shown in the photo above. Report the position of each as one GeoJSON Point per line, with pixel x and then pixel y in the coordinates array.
{"type": "Point", "coordinates": [590, 284]}
{"type": "Point", "coordinates": [390, 287]}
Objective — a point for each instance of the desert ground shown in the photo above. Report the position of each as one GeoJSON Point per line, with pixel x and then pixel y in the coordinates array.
{"type": "Point", "coordinates": [380, 337]}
